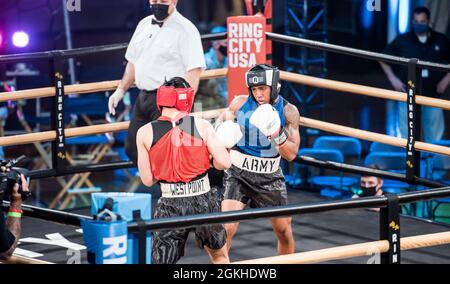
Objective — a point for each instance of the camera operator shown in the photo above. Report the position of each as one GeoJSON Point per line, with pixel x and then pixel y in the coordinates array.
{"type": "Point", "coordinates": [10, 229]}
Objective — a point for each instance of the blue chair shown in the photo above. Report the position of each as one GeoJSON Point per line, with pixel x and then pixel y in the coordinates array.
{"type": "Point", "coordinates": [120, 138]}
{"type": "Point", "coordinates": [80, 185]}
{"type": "Point", "coordinates": [379, 147]}
{"type": "Point", "coordinates": [328, 181]}
{"type": "Point", "coordinates": [389, 161]}
{"type": "Point", "coordinates": [96, 105]}
{"type": "Point", "coordinates": [428, 157]}
{"type": "Point", "coordinates": [348, 146]}
{"type": "Point", "coordinates": [445, 143]}
{"type": "Point", "coordinates": [440, 167]}
{"type": "Point", "coordinates": [87, 104]}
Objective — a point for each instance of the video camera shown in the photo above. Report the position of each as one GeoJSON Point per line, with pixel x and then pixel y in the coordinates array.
{"type": "Point", "coordinates": [9, 176]}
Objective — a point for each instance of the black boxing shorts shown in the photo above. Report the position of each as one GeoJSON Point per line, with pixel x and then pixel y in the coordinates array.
{"type": "Point", "coordinates": [261, 185]}
{"type": "Point", "coordinates": [168, 246]}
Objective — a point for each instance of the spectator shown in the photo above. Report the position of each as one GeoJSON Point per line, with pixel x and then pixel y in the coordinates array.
{"type": "Point", "coordinates": [425, 44]}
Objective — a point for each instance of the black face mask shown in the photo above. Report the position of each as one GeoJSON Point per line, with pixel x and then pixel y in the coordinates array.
{"type": "Point", "coordinates": [368, 191]}
{"type": "Point", "coordinates": [160, 11]}
{"type": "Point", "coordinates": [223, 50]}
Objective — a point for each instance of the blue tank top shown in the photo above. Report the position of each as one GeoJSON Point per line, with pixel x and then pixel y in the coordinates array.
{"type": "Point", "coordinates": [253, 142]}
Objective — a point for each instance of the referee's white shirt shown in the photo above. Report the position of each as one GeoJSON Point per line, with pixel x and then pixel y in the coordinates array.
{"type": "Point", "coordinates": [164, 52]}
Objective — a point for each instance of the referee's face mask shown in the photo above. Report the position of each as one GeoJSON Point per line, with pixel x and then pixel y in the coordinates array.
{"type": "Point", "coordinates": [162, 9]}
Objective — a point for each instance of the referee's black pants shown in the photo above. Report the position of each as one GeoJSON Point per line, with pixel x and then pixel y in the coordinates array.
{"type": "Point", "coordinates": [145, 110]}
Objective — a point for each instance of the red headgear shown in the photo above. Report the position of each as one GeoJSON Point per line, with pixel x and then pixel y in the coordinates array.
{"type": "Point", "coordinates": [180, 98]}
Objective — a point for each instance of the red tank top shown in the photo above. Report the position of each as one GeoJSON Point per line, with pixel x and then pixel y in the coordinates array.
{"type": "Point", "coordinates": [179, 154]}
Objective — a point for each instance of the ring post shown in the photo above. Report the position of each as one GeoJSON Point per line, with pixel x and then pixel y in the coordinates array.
{"type": "Point", "coordinates": [414, 125]}
{"type": "Point", "coordinates": [59, 162]}
{"type": "Point", "coordinates": [390, 229]}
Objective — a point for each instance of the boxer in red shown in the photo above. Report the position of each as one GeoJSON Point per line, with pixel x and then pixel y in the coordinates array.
{"type": "Point", "coordinates": [175, 151]}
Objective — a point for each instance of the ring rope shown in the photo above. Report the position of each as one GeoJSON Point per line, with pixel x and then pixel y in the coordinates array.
{"type": "Point", "coordinates": [355, 250]}
{"type": "Point", "coordinates": [370, 136]}
{"type": "Point", "coordinates": [317, 256]}
{"type": "Point", "coordinates": [87, 88]}
{"type": "Point", "coordinates": [46, 136]}
{"type": "Point", "coordinates": [217, 73]}
{"type": "Point", "coordinates": [306, 122]}
{"type": "Point", "coordinates": [361, 90]}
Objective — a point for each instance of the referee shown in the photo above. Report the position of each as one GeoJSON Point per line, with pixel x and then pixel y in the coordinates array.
{"type": "Point", "coordinates": [164, 45]}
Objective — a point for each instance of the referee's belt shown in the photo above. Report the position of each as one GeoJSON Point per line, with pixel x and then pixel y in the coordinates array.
{"type": "Point", "coordinates": [255, 164]}
{"type": "Point", "coordinates": [193, 188]}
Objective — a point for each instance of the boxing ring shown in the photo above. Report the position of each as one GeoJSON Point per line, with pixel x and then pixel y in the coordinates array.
{"type": "Point", "coordinates": [337, 230]}
{"type": "Point", "coordinates": [390, 243]}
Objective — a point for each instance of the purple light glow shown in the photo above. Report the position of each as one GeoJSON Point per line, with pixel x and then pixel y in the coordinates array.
{"type": "Point", "coordinates": [20, 39]}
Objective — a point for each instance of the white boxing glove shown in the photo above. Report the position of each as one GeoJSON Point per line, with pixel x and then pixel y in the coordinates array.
{"type": "Point", "coordinates": [229, 133]}
{"type": "Point", "coordinates": [114, 100]}
{"type": "Point", "coordinates": [267, 120]}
